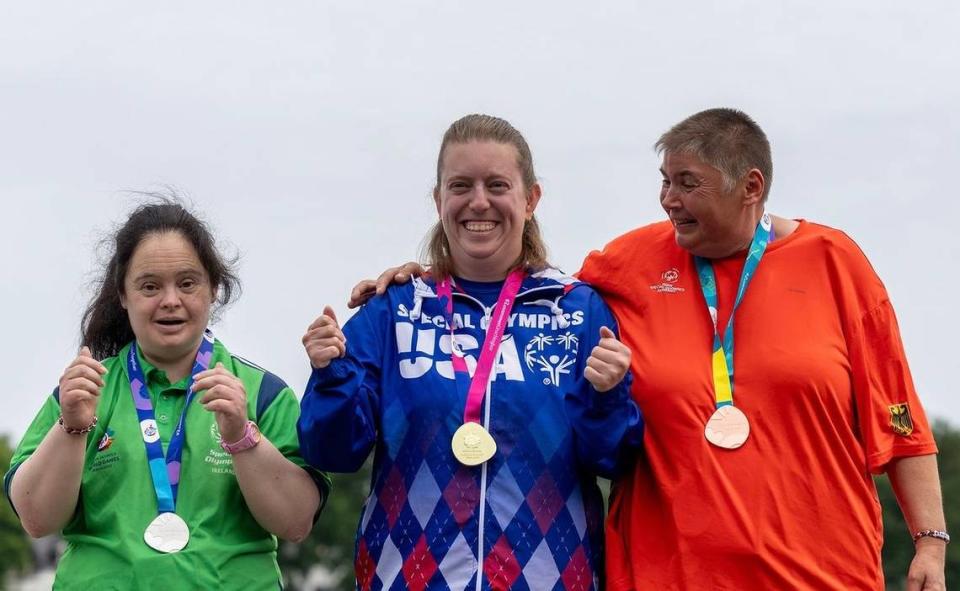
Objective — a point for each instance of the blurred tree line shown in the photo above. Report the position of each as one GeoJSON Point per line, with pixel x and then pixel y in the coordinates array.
{"type": "Point", "coordinates": [332, 541]}
{"type": "Point", "coordinates": [15, 554]}
{"type": "Point", "coordinates": [897, 541]}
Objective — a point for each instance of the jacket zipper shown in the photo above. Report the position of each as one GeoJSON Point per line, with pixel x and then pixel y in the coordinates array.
{"type": "Point", "coordinates": [483, 494]}
{"type": "Point", "coordinates": [486, 423]}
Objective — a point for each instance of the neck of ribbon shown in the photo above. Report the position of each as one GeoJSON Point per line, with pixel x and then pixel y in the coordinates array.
{"type": "Point", "coordinates": [476, 387]}
{"type": "Point", "coordinates": [722, 359]}
{"type": "Point", "coordinates": [164, 468]}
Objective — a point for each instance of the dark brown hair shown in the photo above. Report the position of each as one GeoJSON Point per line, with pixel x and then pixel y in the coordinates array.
{"type": "Point", "coordinates": [105, 327]}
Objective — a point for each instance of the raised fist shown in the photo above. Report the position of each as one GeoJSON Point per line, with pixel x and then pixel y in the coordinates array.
{"type": "Point", "coordinates": [324, 341]}
{"type": "Point", "coordinates": [80, 387]}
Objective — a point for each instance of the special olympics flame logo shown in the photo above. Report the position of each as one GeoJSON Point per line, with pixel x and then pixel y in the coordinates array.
{"type": "Point", "coordinates": [671, 275]}
{"type": "Point", "coordinates": [552, 354]}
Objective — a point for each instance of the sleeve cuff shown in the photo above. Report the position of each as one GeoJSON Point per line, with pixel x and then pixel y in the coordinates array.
{"type": "Point", "coordinates": [877, 463]}
{"type": "Point", "coordinates": [602, 402]}
{"type": "Point", "coordinates": [322, 482]}
{"type": "Point", "coordinates": [8, 482]}
{"type": "Point", "coordinates": [337, 371]}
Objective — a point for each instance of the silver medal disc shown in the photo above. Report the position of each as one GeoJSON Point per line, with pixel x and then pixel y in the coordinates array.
{"type": "Point", "coordinates": [167, 533]}
{"type": "Point", "coordinates": [728, 427]}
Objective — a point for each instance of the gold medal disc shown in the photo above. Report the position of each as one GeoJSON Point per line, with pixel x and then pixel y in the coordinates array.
{"type": "Point", "coordinates": [728, 427]}
{"type": "Point", "coordinates": [472, 444]}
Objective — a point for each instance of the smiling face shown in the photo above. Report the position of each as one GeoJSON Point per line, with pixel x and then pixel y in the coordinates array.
{"type": "Point", "coordinates": [168, 296]}
{"type": "Point", "coordinates": [708, 219]}
{"type": "Point", "coordinates": [483, 205]}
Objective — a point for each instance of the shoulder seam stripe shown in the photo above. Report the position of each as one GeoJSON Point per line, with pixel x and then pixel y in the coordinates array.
{"type": "Point", "coordinates": [248, 362]}
{"type": "Point", "coordinates": [270, 388]}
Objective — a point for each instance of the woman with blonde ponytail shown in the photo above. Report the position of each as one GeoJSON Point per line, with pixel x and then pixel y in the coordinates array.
{"type": "Point", "coordinates": [493, 391]}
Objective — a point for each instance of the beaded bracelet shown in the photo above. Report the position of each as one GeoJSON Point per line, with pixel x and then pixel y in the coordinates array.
{"type": "Point", "coordinates": [932, 533]}
{"type": "Point", "coordinates": [75, 431]}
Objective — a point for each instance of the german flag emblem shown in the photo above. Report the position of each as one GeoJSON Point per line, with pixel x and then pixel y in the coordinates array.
{"type": "Point", "coordinates": [900, 419]}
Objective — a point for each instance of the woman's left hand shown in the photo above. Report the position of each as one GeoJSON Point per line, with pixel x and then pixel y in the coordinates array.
{"type": "Point", "coordinates": [927, 568]}
{"type": "Point", "coordinates": [225, 396]}
{"type": "Point", "coordinates": [608, 362]}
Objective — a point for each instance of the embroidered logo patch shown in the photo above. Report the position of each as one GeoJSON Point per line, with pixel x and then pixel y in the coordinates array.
{"type": "Point", "coordinates": [668, 278]}
{"type": "Point", "coordinates": [106, 458]}
{"type": "Point", "coordinates": [220, 462]}
{"type": "Point", "coordinates": [106, 441]}
{"type": "Point", "coordinates": [900, 419]}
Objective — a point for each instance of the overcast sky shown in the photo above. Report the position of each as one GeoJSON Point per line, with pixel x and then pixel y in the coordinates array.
{"type": "Point", "coordinates": [306, 134]}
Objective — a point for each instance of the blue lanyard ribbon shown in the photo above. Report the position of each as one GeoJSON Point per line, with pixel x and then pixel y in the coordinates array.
{"type": "Point", "coordinates": [722, 359]}
{"type": "Point", "coordinates": [164, 470]}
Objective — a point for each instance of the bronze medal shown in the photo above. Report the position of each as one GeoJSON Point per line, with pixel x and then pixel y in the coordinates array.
{"type": "Point", "coordinates": [728, 427]}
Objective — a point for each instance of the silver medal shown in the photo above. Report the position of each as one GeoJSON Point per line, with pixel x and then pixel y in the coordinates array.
{"type": "Point", "coordinates": [167, 533]}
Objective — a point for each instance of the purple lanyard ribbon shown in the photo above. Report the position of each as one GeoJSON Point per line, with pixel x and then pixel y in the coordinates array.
{"type": "Point", "coordinates": [491, 343]}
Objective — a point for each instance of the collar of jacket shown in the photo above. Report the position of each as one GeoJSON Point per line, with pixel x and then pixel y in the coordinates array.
{"type": "Point", "coordinates": [542, 288]}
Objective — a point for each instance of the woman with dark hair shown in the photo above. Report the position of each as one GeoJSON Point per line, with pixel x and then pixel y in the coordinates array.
{"type": "Point", "coordinates": [493, 391]}
{"type": "Point", "coordinates": [149, 488]}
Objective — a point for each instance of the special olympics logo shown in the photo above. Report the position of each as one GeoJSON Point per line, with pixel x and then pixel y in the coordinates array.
{"type": "Point", "coordinates": [553, 355]}
{"type": "Point", "coordinates": [671, 275]}
{"type": "Point", "coordinates": [215, 432]}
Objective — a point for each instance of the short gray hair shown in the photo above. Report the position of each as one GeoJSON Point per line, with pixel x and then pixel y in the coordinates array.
{"type": "Point", "coordinates": [726, 139]}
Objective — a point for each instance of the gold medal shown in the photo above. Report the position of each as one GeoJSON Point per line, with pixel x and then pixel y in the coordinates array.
{"type": "Point", "coordinates": [728, 427]}
{"type": "Point", "coordinates": [472, 444]}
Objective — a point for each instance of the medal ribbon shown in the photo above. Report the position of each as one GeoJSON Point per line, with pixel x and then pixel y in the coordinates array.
{"type": "Point", "coordinates": [722, 359]}
{"type": "Point", "coordinates": [164, 470]}
{"type": "Point", "coordinates": [477, 387]}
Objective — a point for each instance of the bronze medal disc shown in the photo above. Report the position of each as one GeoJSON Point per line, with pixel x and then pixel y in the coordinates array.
{"type": "Point", "coordinates": [728, 427]}
{"type": "Point", "coordinates": [472, 444]}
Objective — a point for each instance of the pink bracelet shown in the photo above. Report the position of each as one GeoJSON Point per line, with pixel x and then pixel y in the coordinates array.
{"type": "Point", "coordinates": [75, 431]}
{"type": "Point", "coordinates": [932, 533]}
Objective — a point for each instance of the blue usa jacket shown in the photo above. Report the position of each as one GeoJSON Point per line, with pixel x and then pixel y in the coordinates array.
{"type": "Point", "coordinates": [529, 518]}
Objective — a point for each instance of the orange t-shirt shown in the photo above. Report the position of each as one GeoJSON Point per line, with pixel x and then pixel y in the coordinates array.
{"type": "Point", "coordinates": [818, 365]}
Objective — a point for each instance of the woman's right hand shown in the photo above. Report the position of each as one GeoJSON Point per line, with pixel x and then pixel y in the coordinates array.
{"type": "Point", "coordinates": [324, 340]}
{"type": "Point", "coordinates": [80, 387]}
